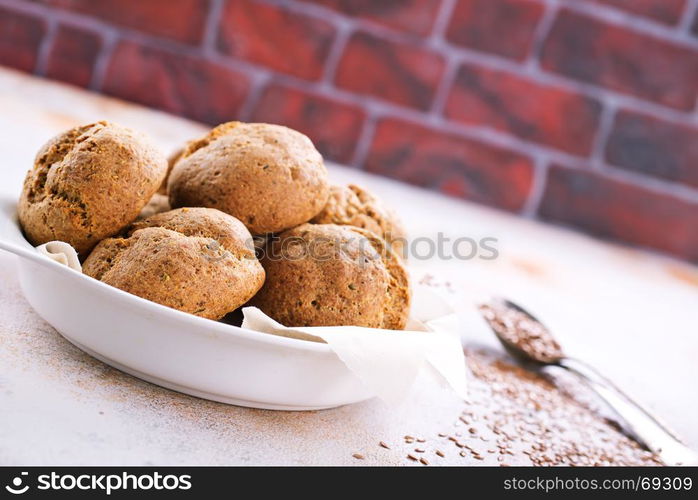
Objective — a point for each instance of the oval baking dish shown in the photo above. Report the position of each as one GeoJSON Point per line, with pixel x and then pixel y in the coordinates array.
{"type": "Point", "coordinates": [176, 350]}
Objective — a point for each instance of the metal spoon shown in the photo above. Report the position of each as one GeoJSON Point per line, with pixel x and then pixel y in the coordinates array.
{"type": "Point", "coordinates": [644, 427]}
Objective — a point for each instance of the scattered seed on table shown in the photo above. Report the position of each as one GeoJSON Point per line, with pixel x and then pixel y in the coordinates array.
{"type": "Point", "coordinates": [424, 461]}
{"type": "Point", "coordinates": [358, 456]}
{"type": "Point", "coordinates": [384, 445]}
{"type": "Point", "coordinates": [419, 450]}
{"type": "Point", "coordinates": [513, 406]}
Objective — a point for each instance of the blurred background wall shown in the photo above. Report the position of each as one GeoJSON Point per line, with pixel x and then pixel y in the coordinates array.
{"type": "Point", "coordinates": [578, 112]}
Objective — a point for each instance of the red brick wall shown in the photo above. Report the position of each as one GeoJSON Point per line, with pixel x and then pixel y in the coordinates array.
{"type": "Point", "coordinates": [580, 112]}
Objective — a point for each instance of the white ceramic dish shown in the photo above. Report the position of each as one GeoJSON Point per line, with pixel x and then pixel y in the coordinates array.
{"type": "Point", "coordinates": [179, 351]}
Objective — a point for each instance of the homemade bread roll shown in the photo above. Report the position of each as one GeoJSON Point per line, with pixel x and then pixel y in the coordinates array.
{"type": "Point", "coordinates": [270, 177]}
{"type": "Point", "coordinates": [196, 260]}
{"type": "Point", "coordinates": [89, 183]}
{"type": "Point", "coordinates": [331, 275]}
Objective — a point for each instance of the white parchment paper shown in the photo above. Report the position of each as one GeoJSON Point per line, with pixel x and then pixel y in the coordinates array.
{"type": "Point", "coordinates": [388, 361]}
{"type": "Point", "coordinates": [62, 253]}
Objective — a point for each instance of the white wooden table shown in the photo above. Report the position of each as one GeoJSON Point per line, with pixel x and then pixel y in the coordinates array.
{"type": "Point", "coordinates": [632, 314]}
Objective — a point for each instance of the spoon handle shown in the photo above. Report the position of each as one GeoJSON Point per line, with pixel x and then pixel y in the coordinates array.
{"type": "Point", "coordinates": [646, 428]}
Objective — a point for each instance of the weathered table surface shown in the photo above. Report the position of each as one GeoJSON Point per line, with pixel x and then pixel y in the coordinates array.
{"type": "Point", "coordinates": [632, 314]}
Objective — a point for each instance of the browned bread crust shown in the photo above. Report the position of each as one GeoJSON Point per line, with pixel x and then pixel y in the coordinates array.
{"type": "Point", "coordinates": [331, 275]}
{"type": "Point", "coordinates": [87, 184]}
{"type": "Point", "coordinates": [268, 176]}
{"type": "Point", "coordinates": [196, 260]}
{"type": "Point", "coordinates": [355, 206]}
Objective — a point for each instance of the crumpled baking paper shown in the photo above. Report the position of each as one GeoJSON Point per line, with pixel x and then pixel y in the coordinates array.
{"type": "Point", "coordinates": [388, 361]}
{"type": "Point", "coordinates": [62, 253]}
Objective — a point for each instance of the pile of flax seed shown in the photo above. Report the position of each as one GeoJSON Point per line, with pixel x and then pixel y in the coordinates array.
{"type": "Point", "coordinates": [517, 417]}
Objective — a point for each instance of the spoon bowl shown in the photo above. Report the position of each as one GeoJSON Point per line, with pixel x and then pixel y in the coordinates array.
{"type": "Point", "coordinates": [523, 335]}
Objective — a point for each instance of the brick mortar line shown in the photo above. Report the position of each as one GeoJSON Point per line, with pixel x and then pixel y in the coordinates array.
{"type": "Point", "coordinates": [690, 15]}
{"type": "Point", "coordinates": [680, 192]}
{"type": "Point", "coordinates": [366, 25]}
{"type": "Point", "coordinates": [690, 12]}
{"type": "Point", "coordinates": [437, 38]}
{"type": "Point", "coordinates": [213, 16]}
{"type": "Point", "coordinates": [683, 192]}
{"type": "Point", "coordinates": [539, 182]}
{"type": "Point", "coordinates": [443, 20]}
{"type": "Point", "coordinates": [540, 35]}
{"type": "Point", "coordinates": [443, 91]}
{"type": "Point", "coordinates": [258, 78]}
{"type": "Point", "coordinates": [99, 70]}
{"type": "Point", "coordinates": [45, 46]}
{"type": "Point", "coordinates": [330, 15]}
{"type": "Point", "coordinates": [603, 132]}
{"type": "Point", "coordinates": [258, 85]}
{"type": "Point", "coordinates": [629, 21]}
{"type": "Point", "coordinates": [342, 35]}
{"type": "Point", "coordinates": [363, 144]}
